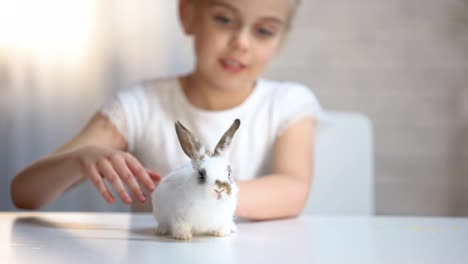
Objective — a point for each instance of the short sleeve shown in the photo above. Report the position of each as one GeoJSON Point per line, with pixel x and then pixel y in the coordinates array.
{"type": "Point", "coordinates": [114, 112]}
{"type": "Point", "coordinates": [128, 112]}
{"type": "Point", "coordinates": [295, 103]}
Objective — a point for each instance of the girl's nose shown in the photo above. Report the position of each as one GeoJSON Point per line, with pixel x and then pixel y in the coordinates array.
{"type": "Point", "coordinates": [241, 40]}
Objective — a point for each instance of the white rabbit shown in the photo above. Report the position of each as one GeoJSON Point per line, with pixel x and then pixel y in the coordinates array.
{"type": "Point", "coordinates": [199, 198]}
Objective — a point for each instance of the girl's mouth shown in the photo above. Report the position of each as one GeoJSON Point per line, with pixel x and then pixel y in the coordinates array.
{"type": "Point", "coordinates": [232, 65]}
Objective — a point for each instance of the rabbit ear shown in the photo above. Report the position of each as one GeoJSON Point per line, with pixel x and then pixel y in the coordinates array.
{"type": "Point", "coordinates": [226, 139]}
{"type": "Point", "coordinates": [189, 143]}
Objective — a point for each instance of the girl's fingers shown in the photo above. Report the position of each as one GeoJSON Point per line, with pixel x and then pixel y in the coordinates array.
{"type": "Point", "coordinates": [106, 169]}
{"type": "Point", "coordinates": [119, 165]}
{"type": "Point", "coordinates": [98, 182]}
{"type": "Point", "coordinates": [140, 173]}
{"type": "Point", "coordinates": [153, 175]}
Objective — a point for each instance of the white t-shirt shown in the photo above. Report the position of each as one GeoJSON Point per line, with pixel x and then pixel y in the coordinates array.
{"type": "Point", "coordinates": [145, 115]}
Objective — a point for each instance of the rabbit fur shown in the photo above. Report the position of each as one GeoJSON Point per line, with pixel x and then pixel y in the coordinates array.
{"type": "Point", "coordinates": [199, 198]}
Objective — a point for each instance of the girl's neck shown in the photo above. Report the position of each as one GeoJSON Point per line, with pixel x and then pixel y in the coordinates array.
{"type": "Point", "coordinates": [207, 96]}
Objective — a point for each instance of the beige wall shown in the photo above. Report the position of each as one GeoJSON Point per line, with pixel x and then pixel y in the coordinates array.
{"type": "Point", "coordinates": [405, 64]}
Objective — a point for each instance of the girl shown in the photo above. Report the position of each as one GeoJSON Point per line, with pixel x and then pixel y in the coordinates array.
{"type": "Point", "coordinates": [133, 136]}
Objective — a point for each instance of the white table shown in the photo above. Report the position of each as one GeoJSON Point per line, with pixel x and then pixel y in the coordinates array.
{"type": "Point", "coordinates": [125, 238]}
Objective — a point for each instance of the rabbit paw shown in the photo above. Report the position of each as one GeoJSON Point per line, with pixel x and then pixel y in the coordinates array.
{"type": "Point", "coordinates": [182, 232]}
{"type": "Point", "coordinates": [225, 231]}
{"type": "Point", "coordinates": [234, 228]}
{"type": "Point", "coordinates": [162, 230]}
{"type": "Point", "coordinates": [182, 236]}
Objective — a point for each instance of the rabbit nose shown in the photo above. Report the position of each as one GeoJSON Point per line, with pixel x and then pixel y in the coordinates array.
{"type": "Point", "coordinates": [219, 191]}
{"type": "Point", "coordinates": [224, 186]}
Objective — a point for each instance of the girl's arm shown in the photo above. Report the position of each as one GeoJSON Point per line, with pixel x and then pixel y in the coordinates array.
{"type": "Point", "coordinates": [284, 193]}
{"type": "Point", "coordinates": [97, 152]}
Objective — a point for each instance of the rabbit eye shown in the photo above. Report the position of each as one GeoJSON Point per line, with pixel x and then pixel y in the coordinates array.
{"type": "Point", "coordinates": [201, 176]}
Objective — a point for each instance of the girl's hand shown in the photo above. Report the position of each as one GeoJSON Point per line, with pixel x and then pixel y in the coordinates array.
{"type": "Point", "coordinates": [118, 168]}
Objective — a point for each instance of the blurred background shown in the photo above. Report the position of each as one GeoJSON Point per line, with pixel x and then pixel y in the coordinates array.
{"type": "Point", "coordinates": [403, 63]}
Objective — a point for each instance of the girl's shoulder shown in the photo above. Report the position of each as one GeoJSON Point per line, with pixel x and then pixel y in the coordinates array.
{"type": "Point", "coordinates": [288, 92]}
{"type": "Point", "coordinates": [292, 101]}
{"type": "Point", "coordinates": [149, 93]}
{"type": "Point", "coordinates": [156, 87]}
{"type": "Point", "coordinates": [132, 109]}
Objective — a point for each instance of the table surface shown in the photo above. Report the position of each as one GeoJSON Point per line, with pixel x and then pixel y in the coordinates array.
{"type": "Point", "coordinates": [129, 238]}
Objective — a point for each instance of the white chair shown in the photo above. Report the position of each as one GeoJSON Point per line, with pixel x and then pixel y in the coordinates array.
{"type": "Point", "coordinates": [343, 182]}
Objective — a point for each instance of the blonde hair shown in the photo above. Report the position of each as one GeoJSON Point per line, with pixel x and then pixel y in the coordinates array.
{"type": "Point", "coordinates": [295, 6]}
{"type": "Point", "coordinates": [296, 3]}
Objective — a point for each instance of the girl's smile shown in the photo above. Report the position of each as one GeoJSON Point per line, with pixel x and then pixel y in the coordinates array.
{"type": "Point", "coordinates": [232, 65]}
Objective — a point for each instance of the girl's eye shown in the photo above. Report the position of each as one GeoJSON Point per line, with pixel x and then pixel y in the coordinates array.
{"type": "Point", "coordinates": [265, 32]}
{"type": "Point", "coordinates": [223, 20]}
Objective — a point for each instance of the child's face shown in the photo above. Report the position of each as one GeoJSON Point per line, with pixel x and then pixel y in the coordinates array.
{"type": "Point", "coordinates": [235, 39]}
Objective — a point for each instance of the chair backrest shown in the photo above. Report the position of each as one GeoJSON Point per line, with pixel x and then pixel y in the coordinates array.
{"type": "Point", "coordinates": [343, 182]}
